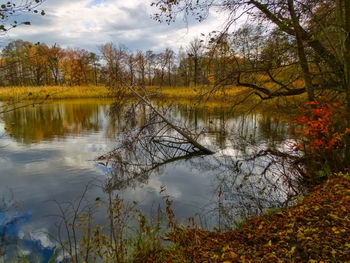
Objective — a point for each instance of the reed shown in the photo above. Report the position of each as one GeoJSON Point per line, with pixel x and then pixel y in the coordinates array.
{"type": "Point", "coordinates": [52, 92]}
{"type": "Point", "coordinates": [201, 92]}
{"type": "Point", "coordinates": [228, 96]}
{"type": "Point", "coordinates": [73, 92]}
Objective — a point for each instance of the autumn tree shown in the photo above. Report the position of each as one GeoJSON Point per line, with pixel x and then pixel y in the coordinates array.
{"type": "Point", "coordinates": [219, 59]}
{"type": "Point", "coordinates": [183, 68]}
{"type": "Point", "coordinates": [141, 68]}
{"type": "Point", "coordinates": [162, 61]}
{"type": "Point", "coordinates": [55, 55]}
{"type": "Point", "coordinates": [15, 69]}
{"type": "Point", "coordinates": [37, 62]}
{"type": "Point", "coordinates": [82, 67]}
{"type": "Point", "coordinates": [195, 53]}
{"type": "Point", "coordinates": [114, 58]}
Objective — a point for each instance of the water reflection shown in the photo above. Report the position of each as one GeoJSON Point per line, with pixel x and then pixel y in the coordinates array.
{"type": "Point", "coordinates": [53, 120]}
{"type": "Point", "coordinates": [14, 239]}
{"type": "Point", "coordinates": [49, 152]}
{"type": "Point", "coordinates": [65, 118]}
{"type": "Point", "coordinates": [245, 181]}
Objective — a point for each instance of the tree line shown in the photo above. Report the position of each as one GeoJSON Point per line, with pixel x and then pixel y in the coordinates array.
{"type": "Point", "coordinates": [215, 59]}
{"type": "Point", "coordinates": [23, 63]}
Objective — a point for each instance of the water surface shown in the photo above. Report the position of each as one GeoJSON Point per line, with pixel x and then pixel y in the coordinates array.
{"type": "Point", "coordinates": [48, 152]}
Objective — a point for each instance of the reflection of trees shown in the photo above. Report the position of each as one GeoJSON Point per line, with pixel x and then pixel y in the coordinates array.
{"type": "Point", "coordinates": [149, 142]}
{"type": "Point", "coordinates": [45, 122]}
{"type": "Point", "coordinates": [146, 142]}
{"type": "Point", "coordinates": [262, 173]}
{"type": "Point", "coordinates": [212, 119]}
{"type": "Point", "coordinates": [272, 130]}
{"type": "Point", "coordinates": [48, 121]}
{"type": "Point", "coordinates": [221, 123]}
{"type": "Point", "coordinates": [249, 185]}
{"type": "Point", "coordinates": [247, 181]}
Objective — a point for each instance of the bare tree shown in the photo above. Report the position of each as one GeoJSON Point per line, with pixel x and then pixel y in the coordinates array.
{"type": "Point", "coordinates": [150, 61]}
{"type": "Point", "coordinates": [169, 56]}
{"type": "Point", "coordinates": [130, 62]}
{"type": "Point", "coordinates": [141, 67]}
{"type": "Point", "coordinates": [114, 58]}
{"type": "Point", "coordinates": [162, 62]}
{"type": "Point", "coordinates": [195, 52]}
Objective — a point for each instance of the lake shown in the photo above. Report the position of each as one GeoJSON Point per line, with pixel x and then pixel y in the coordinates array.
{"type": "Point", "coordinates": [48, 154]}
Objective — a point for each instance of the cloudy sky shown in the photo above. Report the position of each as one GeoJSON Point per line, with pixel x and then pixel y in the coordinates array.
{"type": "Point", "coordinates": [91, 23]}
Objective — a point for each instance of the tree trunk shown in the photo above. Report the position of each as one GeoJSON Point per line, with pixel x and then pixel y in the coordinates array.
{"type": "Point", "coordinates": [301, 52]}
{"type": "Point", "coordinates": [347, 76]}
{"type": "Point", "coordinates": [195, 71]}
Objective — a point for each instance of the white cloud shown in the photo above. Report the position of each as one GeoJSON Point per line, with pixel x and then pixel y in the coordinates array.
{"type": "Point", "coordinates": [90, 23]}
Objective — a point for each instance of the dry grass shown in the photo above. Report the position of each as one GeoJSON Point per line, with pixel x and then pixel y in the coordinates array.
{"type": "Point", "coordinates": [167, 93]}
{"type": "Point", "coordinates": [229, 96]}
{"type": "Point", "coordinates": [52, 92]}
{"type": "Point", "coordinates": [205, 92]}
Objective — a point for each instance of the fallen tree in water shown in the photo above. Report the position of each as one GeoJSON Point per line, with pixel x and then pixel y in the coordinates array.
{"type": "Point", "coordinates": [148, 144]}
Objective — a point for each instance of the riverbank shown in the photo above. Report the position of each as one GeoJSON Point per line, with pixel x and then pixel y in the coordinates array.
{"type": "Point", "coordinates": [228, 97]}
{"type": "Point", "coordinates": [52, 92]}
{"type": "Point", "coordinates": [317, 229]}
{"type": "Point", "coordinates": [68, 92]}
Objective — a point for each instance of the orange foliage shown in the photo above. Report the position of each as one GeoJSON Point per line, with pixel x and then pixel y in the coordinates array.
{"type": "Point", "coordinates": [318, 128]}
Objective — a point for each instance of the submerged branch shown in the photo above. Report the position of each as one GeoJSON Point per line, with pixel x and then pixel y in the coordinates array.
{"type": "Point", "coordinates": [177, 129]}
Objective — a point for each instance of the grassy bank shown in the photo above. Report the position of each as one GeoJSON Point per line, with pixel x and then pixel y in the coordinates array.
{"type": "Point", "coordinates": [101, 91]}
{"type": "Point", "coordinates": [52, 92]}
{"type": "Point", "coordinates": [67, 92]}
{"type": "Point", "coordinates": [315, 230]}
{"type": "Point", "coordinates": [224, 96]}
{"type": "Point", "coordinates": [233, 97]}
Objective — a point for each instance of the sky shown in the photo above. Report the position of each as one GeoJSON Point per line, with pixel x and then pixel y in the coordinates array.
{"type": "Point", "coordinates": [90, 23]}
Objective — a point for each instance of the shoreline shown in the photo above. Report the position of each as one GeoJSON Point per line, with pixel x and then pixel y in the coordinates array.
{"type": "Point", "coordinates": [230, 97]}
{"type": "Point", "coordinates": [316, 229]}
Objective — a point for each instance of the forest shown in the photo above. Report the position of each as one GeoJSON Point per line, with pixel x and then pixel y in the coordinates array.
{"type": "Point", "coordinates": [28, 64]}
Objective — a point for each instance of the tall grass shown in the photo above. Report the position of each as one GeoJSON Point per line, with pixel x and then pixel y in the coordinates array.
{"type": "Point", "coordinates": [52, 92]}
{"type": "Point", "coordinates": [240, 99]}
{"type": "Point", "coordinates": [67, 92]}
{"type": "Point", "coordinates": [192, 92]}
{"type": "Point", "coordinates": [228, 96]}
